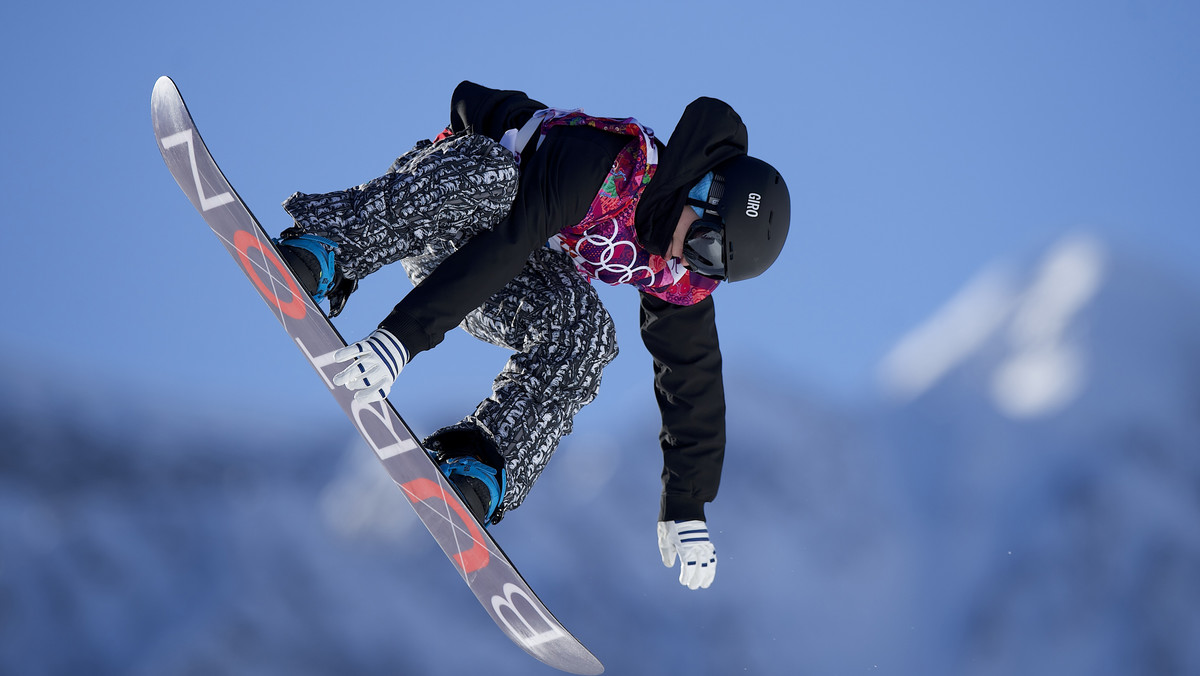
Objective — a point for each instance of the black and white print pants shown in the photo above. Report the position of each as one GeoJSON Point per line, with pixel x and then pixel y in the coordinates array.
{"type": "Point", "coordinates": [432, 200]}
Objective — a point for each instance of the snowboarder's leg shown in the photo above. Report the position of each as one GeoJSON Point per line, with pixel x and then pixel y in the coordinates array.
{"type": "Point", "coordinates": [563, 338]}
{"type": "Point", "coordinates": [431, 200]}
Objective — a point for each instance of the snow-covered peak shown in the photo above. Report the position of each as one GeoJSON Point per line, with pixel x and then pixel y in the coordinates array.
{"type": "Point", "coordinates": [1024, 332]}
{"type": "Point", "coordinates": [1044, 369]}
{"type": "Point", "coordinates": [930, 351]}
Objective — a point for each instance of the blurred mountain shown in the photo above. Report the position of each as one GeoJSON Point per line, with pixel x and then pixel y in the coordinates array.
{"type": "Point", "coordinates": [1023, 500]}
{"type": "Point", "coordinates": [1046, 429]}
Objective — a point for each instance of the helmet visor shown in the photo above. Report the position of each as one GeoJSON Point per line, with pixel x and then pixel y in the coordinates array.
{"type": "Point", "coordinates": [704, 248]}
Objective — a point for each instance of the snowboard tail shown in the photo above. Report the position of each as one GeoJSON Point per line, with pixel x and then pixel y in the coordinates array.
{"type": "Point", "coordinates": [488, 572]}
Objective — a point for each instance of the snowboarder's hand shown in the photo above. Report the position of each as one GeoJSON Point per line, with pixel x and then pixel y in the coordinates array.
{"type": "Point", "coordinates": [376, 361]}
{"type": "Point", "coordinates": [697, 555]}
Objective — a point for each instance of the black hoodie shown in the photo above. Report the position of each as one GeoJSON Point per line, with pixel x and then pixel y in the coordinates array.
{"type": "Point", "coordinates": [558, 182]}
{"type": "Point", "coordinates": [709, 133]}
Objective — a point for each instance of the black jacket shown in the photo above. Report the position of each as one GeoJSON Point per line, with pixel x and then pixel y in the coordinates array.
{"type": "Point", "coordinates": [558, 182]}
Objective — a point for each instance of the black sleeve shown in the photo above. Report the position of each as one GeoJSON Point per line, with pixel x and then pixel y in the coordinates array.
{"type": "Point", "coordinates": [490, 112]}
{"type": "Point", "coordinates": [691, 396]}
{"type": "Point", "coordinates": [557, 187]}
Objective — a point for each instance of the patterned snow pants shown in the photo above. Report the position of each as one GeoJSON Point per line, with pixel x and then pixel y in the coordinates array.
{"type": "Point", "coordinates": [432, 200]}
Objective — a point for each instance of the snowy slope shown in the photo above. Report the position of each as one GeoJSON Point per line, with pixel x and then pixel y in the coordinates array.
{"type": "Point", "coordinates": [1023, 502]}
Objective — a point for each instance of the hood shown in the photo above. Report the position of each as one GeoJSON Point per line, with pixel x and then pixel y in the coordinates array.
{"type": "Point", "coordinates": [709, 133]}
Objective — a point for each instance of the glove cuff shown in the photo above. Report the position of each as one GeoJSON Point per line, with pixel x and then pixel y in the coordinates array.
{"type": "Point", "coordinates": [390, 350]}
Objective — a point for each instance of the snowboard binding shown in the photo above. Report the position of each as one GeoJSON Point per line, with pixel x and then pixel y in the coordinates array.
{"type": "Point", "coordinates": [470, 461]}
{"type": "Point", "coordinates": [480, 485]}
{"type": "Point", "coordinates": [311, 259]}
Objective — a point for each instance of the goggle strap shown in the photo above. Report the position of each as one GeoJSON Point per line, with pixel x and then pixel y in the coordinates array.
{"type": "Point", "coordinates": [707, 208]}
{"type": "Point", "coordinates": [717, 190]}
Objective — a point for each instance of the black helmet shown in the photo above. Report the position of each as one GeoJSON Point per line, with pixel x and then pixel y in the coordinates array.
{"type": "Point", "coordinates": [745, 221]}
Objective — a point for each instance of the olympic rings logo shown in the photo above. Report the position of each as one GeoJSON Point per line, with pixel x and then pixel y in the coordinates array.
{"type": "Point", "coordinates": [607, 266]}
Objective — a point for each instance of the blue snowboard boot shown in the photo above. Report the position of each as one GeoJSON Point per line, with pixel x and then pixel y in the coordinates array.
{"type": "Point", "coordinates": [311, 259]}
{"type": "Point", "coordinates": [480, 485]}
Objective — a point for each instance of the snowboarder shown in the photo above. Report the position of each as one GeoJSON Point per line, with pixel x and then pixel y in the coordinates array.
{"type": "Point", "coordinates": [501, 222]}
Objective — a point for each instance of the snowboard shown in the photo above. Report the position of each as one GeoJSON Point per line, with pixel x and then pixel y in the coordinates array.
{"type": "Point", "coordinates": [488, 572]}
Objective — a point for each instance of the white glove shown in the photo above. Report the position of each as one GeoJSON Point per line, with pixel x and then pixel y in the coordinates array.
{"type": "Point", "coordinates": [377, 360]}
{"type": "Point", "coordinates": [697, 555]}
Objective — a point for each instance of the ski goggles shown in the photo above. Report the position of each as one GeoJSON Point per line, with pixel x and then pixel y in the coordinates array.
{"type": "Point", "coordinates": [704, 247]}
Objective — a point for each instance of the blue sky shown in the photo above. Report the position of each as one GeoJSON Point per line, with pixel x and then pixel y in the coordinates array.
{"type": "Point", "coordinates": [921, 141]}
